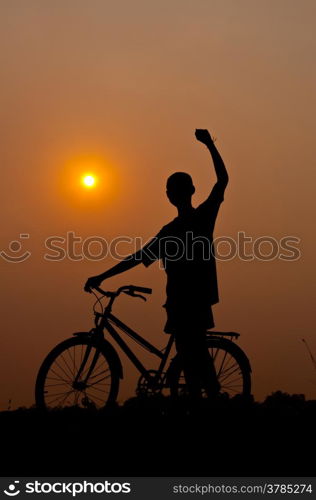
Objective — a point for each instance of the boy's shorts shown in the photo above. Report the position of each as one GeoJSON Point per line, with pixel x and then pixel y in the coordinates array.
{"type": "Point", "coordinates": [188, 317]}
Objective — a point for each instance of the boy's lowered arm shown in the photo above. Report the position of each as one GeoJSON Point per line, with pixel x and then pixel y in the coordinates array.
{"type": "Point", "coordinates": [126, 264]}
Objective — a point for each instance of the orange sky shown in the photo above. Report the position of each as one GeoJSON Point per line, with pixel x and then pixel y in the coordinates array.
{"type": "Point", "coordinates": [124, 84]}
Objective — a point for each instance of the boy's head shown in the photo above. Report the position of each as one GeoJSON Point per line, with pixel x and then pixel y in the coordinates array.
{"type": "Point", "coordinates": [180, 188]}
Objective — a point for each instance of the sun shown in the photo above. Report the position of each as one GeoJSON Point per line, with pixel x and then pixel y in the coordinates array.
{"type": "Point", "coordinates": [89, 181]}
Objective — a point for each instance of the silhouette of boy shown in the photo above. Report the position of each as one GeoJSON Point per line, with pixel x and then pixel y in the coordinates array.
{"type": "Point", "coordinates": [185, 246]}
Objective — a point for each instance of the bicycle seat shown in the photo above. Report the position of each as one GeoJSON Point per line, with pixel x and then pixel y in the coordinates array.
{"type": "Point", "coordinates": [227, 334]}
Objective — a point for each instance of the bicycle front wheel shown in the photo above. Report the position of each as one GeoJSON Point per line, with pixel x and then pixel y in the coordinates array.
{"type": "Point", "coordinates": [232, 368]}
{"type": "Point", "coordinates": [77, 373]}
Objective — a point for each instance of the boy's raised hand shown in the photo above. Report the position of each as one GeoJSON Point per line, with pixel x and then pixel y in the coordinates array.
{"type": "Point", "coordinates": [203, 136]}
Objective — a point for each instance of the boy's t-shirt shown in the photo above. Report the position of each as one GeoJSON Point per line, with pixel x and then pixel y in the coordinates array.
{"type": "Point", "coordinates": [185, 246]}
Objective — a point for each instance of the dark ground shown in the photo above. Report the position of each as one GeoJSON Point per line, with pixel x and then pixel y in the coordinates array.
{"type": "Point", "coordinates": [152, 437]}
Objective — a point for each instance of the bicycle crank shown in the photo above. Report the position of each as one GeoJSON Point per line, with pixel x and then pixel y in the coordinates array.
{"type": "Point", "coordinates": [149, 384]}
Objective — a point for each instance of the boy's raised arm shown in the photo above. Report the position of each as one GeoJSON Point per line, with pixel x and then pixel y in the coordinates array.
{"type": "Point", "coordinates": [204, 136]}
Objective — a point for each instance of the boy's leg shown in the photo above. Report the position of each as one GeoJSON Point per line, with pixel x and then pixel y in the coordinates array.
{"type": "Point", "coordinates": [198, 366]}
{"type": "Point", "coordinates": [207, 367]}
{"type": "Point", "coordinates": [188, 356]}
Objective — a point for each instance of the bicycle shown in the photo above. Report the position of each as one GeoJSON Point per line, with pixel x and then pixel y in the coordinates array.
{"type": "Point", "coordinates": [85, 370]}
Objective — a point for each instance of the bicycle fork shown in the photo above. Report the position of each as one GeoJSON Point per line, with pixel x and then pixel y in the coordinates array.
{"type": "Point", "coordinates": [82, 384]}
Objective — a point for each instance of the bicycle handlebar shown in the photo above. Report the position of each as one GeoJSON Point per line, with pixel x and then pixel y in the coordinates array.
{"type": "Point", "coordinates": [140, 289]}
{"type": "Point", "coordinates": [125, 288]}
{"type": "Point", "coordinates": [103, 292]}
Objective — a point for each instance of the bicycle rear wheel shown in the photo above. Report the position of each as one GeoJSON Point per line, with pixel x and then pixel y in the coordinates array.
{"type": "Point", "coordinates": [77, 373]}
{"type": "Point", "coordinates": [231, 365]}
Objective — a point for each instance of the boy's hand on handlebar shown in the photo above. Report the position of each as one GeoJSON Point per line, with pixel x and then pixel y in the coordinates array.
{"type": "Point", "coordinates": [92, 282]}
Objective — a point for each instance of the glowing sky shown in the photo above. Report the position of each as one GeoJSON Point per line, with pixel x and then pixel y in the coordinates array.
{"type": "Point", "coordinates": [127, 83]}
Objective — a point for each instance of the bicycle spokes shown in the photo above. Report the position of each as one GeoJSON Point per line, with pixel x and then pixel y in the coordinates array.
{"type": "Point", "coordinates": [228, 372]}
{"type": "Point", "coordinates": [79, 376]}
{"type": "Point", "coordinates": [231, 372]}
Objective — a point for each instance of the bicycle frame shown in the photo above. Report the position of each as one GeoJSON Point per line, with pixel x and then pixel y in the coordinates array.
{"type": "Point", "coordinates": [108, 322]}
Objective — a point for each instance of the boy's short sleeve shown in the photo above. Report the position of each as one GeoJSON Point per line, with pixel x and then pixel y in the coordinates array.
{"type": "Point", "coordinates": [208, 210]}
{"type": "Point", "coordinates": [151, 252]}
